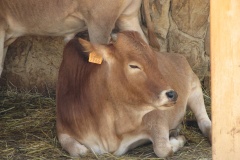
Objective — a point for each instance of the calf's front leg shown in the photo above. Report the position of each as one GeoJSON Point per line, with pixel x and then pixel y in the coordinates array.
{"type": "Point", "coordinates": [164, 146]}
{"type": "Point", "coordinates": [158, 129]}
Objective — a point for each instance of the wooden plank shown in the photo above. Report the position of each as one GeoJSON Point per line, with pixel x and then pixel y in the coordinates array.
{"type": "Point", "coordinates": [225, 73]}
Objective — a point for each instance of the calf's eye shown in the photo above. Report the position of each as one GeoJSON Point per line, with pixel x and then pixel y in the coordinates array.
{"type": "Point", "coordinates": [134, 66]}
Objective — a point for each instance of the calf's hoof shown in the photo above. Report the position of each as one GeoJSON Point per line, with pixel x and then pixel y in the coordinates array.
{"type": "Point", "coordinates": [77, 149]}
{"type": "Point", "coordinates": [167, 148]}
{"type": "Point", "coordinates": [163, 151]}
{"type": "Point", "coordinates": [177, 142]}
{"type": "Point", "coordinates": [72, 146]}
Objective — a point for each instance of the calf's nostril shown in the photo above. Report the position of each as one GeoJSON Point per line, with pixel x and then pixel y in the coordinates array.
{"type": "Point", "coordinates": [172, 95]}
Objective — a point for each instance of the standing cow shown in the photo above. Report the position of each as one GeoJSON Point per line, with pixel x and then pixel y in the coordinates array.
{"type": "Point", "coordinates": [112, 98]}
{"type": "Point", "coordinates": [65, 18]}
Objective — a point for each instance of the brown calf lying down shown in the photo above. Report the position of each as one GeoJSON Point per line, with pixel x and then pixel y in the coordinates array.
{"type": "Point", "coordinates": [129, 95]}
{"type": "Point", "coordinates": [65, 18]}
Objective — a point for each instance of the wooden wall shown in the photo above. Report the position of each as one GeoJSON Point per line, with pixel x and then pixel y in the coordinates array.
{"type": "Point", "coordinates": [225, 72]}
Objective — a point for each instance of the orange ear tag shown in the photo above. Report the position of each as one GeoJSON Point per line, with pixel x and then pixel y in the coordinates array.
{"type": "Point", "coordinates": [95, 58]}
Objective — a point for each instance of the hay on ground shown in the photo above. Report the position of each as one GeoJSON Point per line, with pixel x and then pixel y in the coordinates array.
{"type": "Point", "coordinates": [28, 131]}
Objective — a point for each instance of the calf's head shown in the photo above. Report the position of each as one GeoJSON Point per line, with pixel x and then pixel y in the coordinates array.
{"type": "Point", "coordinates": [131, 71]}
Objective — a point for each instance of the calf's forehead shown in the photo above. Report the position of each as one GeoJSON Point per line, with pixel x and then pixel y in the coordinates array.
{"type": "Point", "coordinates": [132, 47]}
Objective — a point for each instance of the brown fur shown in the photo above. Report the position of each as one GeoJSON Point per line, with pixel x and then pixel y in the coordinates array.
{"type": "Point", "coordinates": [113, 107]}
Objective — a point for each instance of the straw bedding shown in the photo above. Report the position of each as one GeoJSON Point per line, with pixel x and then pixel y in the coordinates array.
{"type": "Point", "coordinates": [27, 131]}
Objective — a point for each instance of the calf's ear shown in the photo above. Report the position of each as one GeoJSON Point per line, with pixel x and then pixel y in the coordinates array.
{"type": "Point", "coordinates": [92, 51]}
{"type": "Point", "coordinates": [88, 47]}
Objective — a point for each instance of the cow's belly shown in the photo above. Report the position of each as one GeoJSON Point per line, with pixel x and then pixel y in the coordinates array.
{"type": "Point", "coordinates": [70, 26]}
{"type": "Point", "coordinates": [66, 27]}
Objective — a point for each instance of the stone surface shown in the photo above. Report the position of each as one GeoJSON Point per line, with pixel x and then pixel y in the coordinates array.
{"type": "Point", "coordinates": [182, 26]}
{"type": "Point", "coordinates": [191, 16]}
{"type": "Point", "coordinates": [159, 14]}
{"type": "Point", "coordinates": [207, 42]}
{"type": "Point", "coordinates": [34, 62]}
{"type": "Point", "coordinates": [192, 49]}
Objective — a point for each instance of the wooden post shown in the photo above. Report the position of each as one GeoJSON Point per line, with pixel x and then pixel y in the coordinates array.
{"type": "Point", "coordinates": [225, 73]}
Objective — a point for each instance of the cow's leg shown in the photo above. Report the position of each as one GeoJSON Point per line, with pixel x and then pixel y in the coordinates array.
{"type": "Point", "coordinates": [6, 44]}
{"type": "Point", "coordinates": [68, 37]}
{"type": "Point", "coordinates": [130, 23]}
{"type": "Point", "coordinates": [196, 104]}
{"type": "Point", "coordinates": [99, 32]}
{"type": "Point", "coordinates": [72, 146]}
{"type": "Point", "coordinates": [2, 51]}
{"type": "Point", "coordinates": [132, 140]}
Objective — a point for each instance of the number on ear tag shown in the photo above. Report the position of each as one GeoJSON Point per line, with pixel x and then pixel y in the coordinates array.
{"type": "Point", "coordinates": [95, 58]}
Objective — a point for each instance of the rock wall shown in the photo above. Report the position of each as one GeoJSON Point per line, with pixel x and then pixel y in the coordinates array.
{"type": "Point", "coordinates": [182, 26]}
{"type": "Point", "coordinates": [33, 63]}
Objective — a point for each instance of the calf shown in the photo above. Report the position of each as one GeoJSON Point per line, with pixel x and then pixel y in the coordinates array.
{"type": "Point", "coordinates": [65, 18]}
{"type": "Point", "coordinates": [112, 98]}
